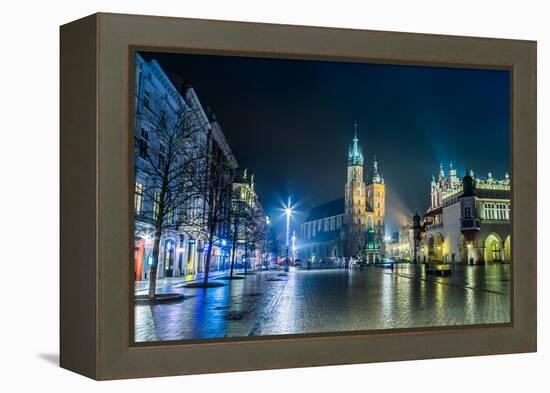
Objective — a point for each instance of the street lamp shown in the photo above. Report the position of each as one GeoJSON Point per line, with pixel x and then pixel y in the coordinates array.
{"type": "Point", "coordinates": [293, 246]}
{"type": "Point", "coordinates": [288, 214]}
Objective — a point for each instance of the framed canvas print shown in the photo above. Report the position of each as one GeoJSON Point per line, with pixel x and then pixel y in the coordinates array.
{"type": "Point", "coordinates": [240, 196]}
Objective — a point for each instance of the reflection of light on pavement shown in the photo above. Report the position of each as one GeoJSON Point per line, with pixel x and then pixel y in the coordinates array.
{"type": "Point", "coordinates": [290, 304]}
{"type": "Point", "coordinates": [388, 288]}
{"type": "Point", "coordinates": [327, 301]}
{"type": "Point", "coordinates": [406, 294]}
{"type": "Point", "coordinates": [422, 294]}
{"type": "Point", "coordinates": [148, 331]}
{"type": "Point", "coordinates": [439, 301]}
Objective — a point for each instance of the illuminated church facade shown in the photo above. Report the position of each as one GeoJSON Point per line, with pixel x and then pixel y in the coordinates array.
{"type": "Point", "coordinates": [353, 225]}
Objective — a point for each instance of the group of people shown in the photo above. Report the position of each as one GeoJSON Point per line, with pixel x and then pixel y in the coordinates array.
{"type": "Point", "coordinates": [352, 263]}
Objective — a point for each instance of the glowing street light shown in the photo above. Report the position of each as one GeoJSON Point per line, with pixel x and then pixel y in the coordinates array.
{"type": "Point", "coordinates": [288, 214]}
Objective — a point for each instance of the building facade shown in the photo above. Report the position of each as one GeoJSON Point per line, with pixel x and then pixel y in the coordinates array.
{"type": "Point", "coordinates": [468, 220]}
{"type": "Point", "coordinates": [164, 105]}
{"type": "Point", "coordinates": [351, 226]}
{"type": "Point", "coordinates": [249, 225]}
{"type": "Point", "coordinates": [398, 246]}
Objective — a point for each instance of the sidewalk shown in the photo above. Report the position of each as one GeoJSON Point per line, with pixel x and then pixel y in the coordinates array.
{"type": "Point", "coordinates": [165, 283]}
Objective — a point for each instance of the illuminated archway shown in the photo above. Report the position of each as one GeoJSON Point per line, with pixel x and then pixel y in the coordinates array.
{"type": "Point", "coordinates": [507, 250]}
{"type": "Point", "coordinates": [438, 247]}
{"type": "Point", "coordinates": [430, 248]}
{"type": "Point", "coordinates": [463, 249]}
{"type": "Point", "coordinates": [493, 248]}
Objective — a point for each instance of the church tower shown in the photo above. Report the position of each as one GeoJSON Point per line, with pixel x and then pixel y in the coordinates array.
{"type": "Point", "coordinates": [376, 198]}
{"type": "Point", "coordinates": [355, 200]}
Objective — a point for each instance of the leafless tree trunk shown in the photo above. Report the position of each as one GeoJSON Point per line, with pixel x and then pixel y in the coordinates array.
{"type": "Point", "coordinates": [166, 145]}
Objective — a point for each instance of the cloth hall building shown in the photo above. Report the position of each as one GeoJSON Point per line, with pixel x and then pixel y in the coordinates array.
{"type": "Point", "coordinates": [468, 220]}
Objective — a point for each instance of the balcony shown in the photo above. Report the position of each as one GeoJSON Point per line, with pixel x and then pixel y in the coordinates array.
{"type": "Point", "coordinates": [469, 224]}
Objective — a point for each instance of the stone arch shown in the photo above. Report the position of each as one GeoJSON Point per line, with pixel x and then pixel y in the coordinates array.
{"type": "Point", "coordinates": [507, 250]}
{"type": "Point", "coordinates": [422, 250]}
{"type": "Point", "coordinates": [430, 247]}
{"type": "Point", "coordinates": [438, 245]}
{"type": "Point", "coordinates": [463, 249]}
{"type": "Point", "coordinates": [493, 248]}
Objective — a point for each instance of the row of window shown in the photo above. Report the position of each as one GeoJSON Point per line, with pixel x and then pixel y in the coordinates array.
{"type": "Point", "coordinates": [491, 211]}
{"type": "Point", "coordinates": [138, 201]}
{"type": "Point", "coordinates": [496, 211]}
{"type": "Point", "coordinates": [139, 188]}
{"type": "Point", "coordinates": [143, 148]}
{"type": "Point", "coordinates": [310, 229]}
{"type": "Point", "coordinates": [328, 224]}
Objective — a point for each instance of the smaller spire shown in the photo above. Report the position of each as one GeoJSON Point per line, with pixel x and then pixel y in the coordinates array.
{"type": "Point", "coordinates": [376, 178]}
{"type": "Point", "coordinates": [355, 126]}
{"type": "Point", "coordinates": [441, 172]}
{"type": "Point", "coordinates": [451, 165]}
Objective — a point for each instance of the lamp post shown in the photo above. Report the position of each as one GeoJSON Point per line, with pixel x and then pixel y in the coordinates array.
{"type": "Point", "coordinates": [288, 213]}
{"type": "Point", "coordinates": [293, 246]}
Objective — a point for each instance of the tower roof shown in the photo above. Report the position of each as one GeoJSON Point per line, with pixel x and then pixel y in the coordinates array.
{"type": "Point", "coordinates": [355, 153]}
{"type": "Point", "coordinates": [376, 177]}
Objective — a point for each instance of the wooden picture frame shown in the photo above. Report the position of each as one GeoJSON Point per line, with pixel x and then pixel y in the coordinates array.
{"type": "Point", "coordinates": [96, 199]}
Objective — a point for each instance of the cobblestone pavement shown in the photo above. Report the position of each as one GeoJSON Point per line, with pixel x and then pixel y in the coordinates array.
{"type": "Point", "coordinates": [271, 303]}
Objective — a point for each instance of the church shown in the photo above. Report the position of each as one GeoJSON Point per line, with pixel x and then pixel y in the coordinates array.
{"type": "Point", "coordinates": [353, 225]}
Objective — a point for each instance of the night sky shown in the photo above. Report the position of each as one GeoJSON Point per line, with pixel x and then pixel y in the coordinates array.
{"type": "Point", "coordinates": [291, 122]}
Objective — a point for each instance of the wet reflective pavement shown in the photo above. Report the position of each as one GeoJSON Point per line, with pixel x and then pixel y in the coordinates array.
{"type": "Point", "coordinates": [272, 303]}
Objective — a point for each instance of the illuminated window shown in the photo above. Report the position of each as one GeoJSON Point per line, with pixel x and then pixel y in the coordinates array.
{"type": "Point", "coordinates": [489, 211]}
{"type": "Point", "coordinates": [138, 197]}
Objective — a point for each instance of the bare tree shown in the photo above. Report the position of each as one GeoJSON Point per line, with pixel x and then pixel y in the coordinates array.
{"type": "Point", "coordinates": [210, 181]}
{"type": "Point", "coordinates": [167, 145]}
{"type": "Point", "coordinates": [238, 215]}
{"type": "Point", "coordinates": [255, 227]}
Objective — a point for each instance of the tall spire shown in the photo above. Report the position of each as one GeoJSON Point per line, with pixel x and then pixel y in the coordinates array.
{"type": "Point", "coordinates": [355, 154]}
